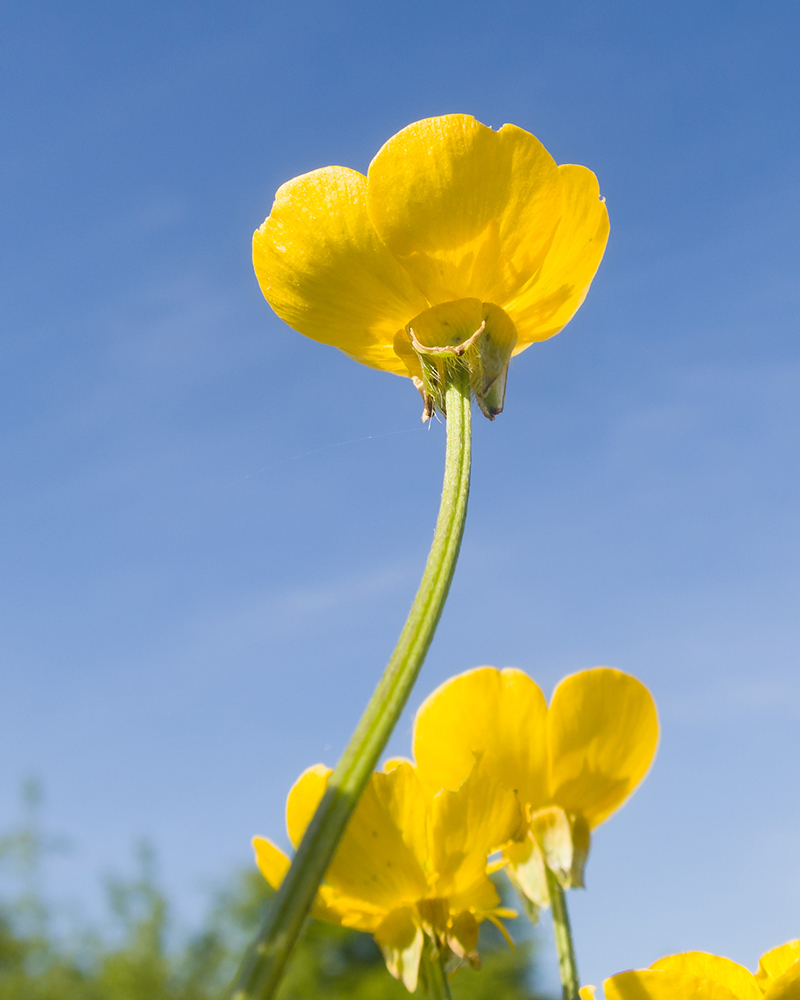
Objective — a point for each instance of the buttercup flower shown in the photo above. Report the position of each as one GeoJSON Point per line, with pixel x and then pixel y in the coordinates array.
{"type": "Point", "coordinates": [411, 865]}
{"type": "Point", "coordinates": [459, 241]}
{"type": "Point", "coordinates": [695, 975]}
{"type": "Point", "coordinates": [571, 765]}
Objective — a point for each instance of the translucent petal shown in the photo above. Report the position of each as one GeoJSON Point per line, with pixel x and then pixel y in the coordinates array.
{"type": "Point", "coordinates": [303, 799]}
{"type": "Point", "coordinates": [323, 269]}
{"type": "Point", "coordinates": [468, 211]}
{"type": "Point", "coordinates": [740, 981]}
{"type": "Point", "coordinates": [498, 716]}
{"type": "Point", "coordinates": [377, 860]}
{"type": "Point", "coordinates": [554, 294]}
{"type": "Point", "coordinates": [602, 735]}
{"type": "Point", "coordinates": [468, 824]}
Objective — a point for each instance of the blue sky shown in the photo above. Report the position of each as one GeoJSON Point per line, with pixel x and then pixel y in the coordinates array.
{"type": "Point", "coordinates": [212, 528]}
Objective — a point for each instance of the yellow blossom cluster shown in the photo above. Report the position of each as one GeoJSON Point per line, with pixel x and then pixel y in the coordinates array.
{"type": "Point", "coordinates": [495, 770]}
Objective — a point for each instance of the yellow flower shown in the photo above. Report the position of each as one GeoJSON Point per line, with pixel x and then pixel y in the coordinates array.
{"type": "Point", "coordinates": [410, 864]}
{"type": "Point", "coordinates": [456, 231]}
{"type": "Point", "coordinates": [571, 765]}
{"type": "Point", "coordinates": [695, 975]}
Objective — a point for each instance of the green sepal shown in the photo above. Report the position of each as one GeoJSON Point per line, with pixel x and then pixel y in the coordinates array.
{"type": "Point", "coordinates": [454, 339]}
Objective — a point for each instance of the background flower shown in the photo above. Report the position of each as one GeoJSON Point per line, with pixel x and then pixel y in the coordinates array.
{"type": "Point", "coordinates": [696, 975]}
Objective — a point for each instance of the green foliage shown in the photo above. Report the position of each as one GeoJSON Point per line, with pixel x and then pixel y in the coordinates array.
{"type": "Point", "coordinates": [131, 960]}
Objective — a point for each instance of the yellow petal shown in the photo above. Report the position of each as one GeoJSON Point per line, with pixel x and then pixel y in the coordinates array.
{"type": "Point", "coordinates": [400, 939]}
{"type": "Point", "coordinates": [785, 987]}
{"type": "Point", "coordinates": [587, 993]}
{"type": "Point", "coordinates": [553, 296]}
{"type": "Point", "coordinates": [377, 860]}
{"type": "Point", "coordinates": [394, 762]}
{"type": "Point", "coordinates": [498, 716]}
{"type": "Point", "coordinates": [468, 211]}
{"type": "Point", "coordinates": [777, 961]}
{"type": "Point", "coordinates": [740, 981]}
{"type": "Point", "coordinates": [602, 732]}
{"type": "Point", "coordinates": [323, 269]}
{"type": "Point", "coordinates": [651, 984]}
{"type": "Point", "coordinates": [467, 826]}
{"type": "Point", "coordinates": [328, 905]}
{"type": "Point", "coordinates": [303, 799]}
{"type": "Point", "coordinates": [272, 862]}
{"type": "Point", "coordinates": [337, 908]}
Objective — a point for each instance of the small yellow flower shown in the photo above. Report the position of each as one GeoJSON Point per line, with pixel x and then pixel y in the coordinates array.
{"type": "Point", "coordinates": [410, 864]}
{"type": "Point", "coordinates": [457, 231]}
{"type": "Point", "coordinates": [571, 765]}
{"type": "Point", "coordinates": [695, 975]}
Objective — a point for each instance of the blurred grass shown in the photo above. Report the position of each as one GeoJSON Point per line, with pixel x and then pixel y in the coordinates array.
{"type": "Point", "coordinates": [132, 957]}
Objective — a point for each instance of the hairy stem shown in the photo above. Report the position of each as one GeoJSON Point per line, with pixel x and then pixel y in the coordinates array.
{"type": "Point", "coordinates": [434, 977]}
{"type": "Point", "coordinates": [567, 965]}
{"type": "Point", "coordinates": [261, 971]}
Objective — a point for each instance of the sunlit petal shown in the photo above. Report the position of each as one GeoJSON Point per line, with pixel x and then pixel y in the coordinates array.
{"type": "Point", "coordinates": [376, 860]}
{"type": "Point", "coordinates": [468, 211]}
{"type": "Point", "coordinates": [602, 735]}
{"type": "Point", "coordinates": [740, 981]}
{"type": "Point", "coordinates": [468, 824]}
{"type": "Point", "coordinates": [553, 296]}
{"type": "Point", "coordinates": [651, 984]}
{"type": "Point", "coordinates": [498, 716]}
{"type": "Point", "coordinates": [323, 269]}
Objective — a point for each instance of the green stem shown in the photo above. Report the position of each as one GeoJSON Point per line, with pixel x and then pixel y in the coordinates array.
{"type": "Point", "coordinates": [434, 976]}
{"type": "Point", "coordinates": [264, 963]}
{"type": "Point", "coordinates": [567, 965]}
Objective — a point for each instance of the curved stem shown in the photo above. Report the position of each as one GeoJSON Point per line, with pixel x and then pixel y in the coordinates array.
{"type": "Point", "coordinates": [568, 967]}
{"type": "Point", "coordinates": [263, 965]}
{"type": "Point", "coordinates": [435, 978]}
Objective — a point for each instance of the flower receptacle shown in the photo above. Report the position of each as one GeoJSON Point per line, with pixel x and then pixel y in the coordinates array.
{"type": "Point", "coordinates": [464, 339]}
{"type": "Point", "coordinates": [555, 841]}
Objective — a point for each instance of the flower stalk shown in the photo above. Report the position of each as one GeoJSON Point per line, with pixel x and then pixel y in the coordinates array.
{"type": "Point", "coordinates": [567, 965]}
{"type": "Point", "coordinates": [434, 976]}
{"type": "Point", "coordinates": [263, 965]}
